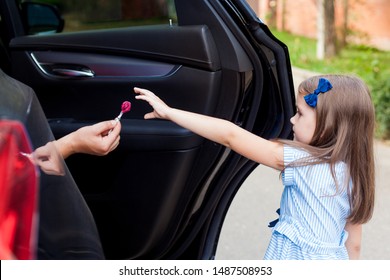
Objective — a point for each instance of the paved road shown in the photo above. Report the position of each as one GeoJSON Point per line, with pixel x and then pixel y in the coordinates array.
{"type": "Point", "coordinates": [245, 234]}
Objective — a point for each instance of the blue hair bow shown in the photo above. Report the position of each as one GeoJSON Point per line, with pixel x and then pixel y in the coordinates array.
{"type": "Point", "coordinates": [323, 86]}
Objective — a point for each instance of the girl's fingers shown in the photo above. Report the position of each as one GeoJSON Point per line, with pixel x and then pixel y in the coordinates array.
{"type": "Point", "coordinates": [144, 90]}
{"type": "Point", "coordinates": [144, 94]}
{"type": "Point", "coordinates": [150, 116]}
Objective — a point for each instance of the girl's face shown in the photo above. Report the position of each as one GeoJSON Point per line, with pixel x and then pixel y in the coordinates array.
{"type": "Point", "coordinates": [304, 121]}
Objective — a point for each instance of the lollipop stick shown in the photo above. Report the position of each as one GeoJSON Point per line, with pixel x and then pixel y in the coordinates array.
{"type": "Point", "coordinates": [118, 118]}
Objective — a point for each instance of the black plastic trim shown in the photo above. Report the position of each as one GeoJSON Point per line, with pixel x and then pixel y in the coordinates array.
{"type": "Point", "coordinates": [190, 45]}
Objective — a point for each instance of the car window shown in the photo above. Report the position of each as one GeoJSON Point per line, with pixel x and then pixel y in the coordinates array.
{"type": "Point", "coordinates": [102, 14]}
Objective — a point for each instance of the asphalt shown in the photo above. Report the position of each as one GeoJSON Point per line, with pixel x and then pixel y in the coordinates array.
{"type": "Point", "coordinates": [245, 234]}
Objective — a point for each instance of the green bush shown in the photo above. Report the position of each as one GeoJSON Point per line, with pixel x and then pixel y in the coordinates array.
{"type": "Point", "coordinates": [370, 64]}
{"type": "Point", "coordinates": [381, 99]}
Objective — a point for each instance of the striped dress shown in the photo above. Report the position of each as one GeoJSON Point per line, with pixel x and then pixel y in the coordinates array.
{"type": "Point", "coordinates": [312, 213]}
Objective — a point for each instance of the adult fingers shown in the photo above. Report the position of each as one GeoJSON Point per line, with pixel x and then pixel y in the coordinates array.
{"type": "Point", "coordinates": [105, 125]}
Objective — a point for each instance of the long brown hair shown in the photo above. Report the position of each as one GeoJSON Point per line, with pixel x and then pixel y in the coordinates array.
{"type": "Point", "coordinates": [345, 124]}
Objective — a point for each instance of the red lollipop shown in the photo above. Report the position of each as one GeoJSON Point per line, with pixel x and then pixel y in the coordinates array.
{"type": "Point", "coordinates": [126, 106]}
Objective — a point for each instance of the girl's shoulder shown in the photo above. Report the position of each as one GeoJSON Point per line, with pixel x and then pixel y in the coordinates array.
{"type": "Point", "coordinates": [299, 156]}
{"type": "Point", "coordinates": [294, 153]}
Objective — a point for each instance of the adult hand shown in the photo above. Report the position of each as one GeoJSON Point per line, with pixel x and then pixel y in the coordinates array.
{"type": "Point", "coordinates": [49, 159]}
{"type": "Point", "coordinates": [98, 139]}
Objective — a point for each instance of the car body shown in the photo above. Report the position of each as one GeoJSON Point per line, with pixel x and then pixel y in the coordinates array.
{"type": "Point", "coordinates": [164, 192]}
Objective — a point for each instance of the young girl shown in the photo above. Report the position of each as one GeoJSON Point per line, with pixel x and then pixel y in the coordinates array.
{"type": "Point", "coordinates": [327, 170]}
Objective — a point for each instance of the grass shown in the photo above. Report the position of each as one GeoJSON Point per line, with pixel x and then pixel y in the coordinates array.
{"type": "Point", "coordinates": [370, 64]}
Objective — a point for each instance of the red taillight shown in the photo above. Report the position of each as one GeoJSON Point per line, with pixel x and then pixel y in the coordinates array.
{"type": "Point", "coordinates": [18, 193]}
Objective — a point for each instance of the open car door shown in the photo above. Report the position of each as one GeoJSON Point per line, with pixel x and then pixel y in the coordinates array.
{"type": "Point", "coordinates": [164, 192]}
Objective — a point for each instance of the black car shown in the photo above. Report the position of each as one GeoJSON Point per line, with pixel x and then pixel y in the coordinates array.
{"type": "Point", "coordinates": [164, 192]}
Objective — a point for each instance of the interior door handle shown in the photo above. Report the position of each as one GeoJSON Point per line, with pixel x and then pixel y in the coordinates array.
{"type": "Point", "coordinates": [73, 72]}
{"type": "Point", "coordinates": [62, 69]}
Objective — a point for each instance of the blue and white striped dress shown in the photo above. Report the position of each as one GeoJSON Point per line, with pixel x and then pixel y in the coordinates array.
{"type": "Point", "coordinates": [312, 212]}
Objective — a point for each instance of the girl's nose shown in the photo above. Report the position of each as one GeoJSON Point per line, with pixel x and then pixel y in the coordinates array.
{"type": "Point", "coordinates": [292, 120]}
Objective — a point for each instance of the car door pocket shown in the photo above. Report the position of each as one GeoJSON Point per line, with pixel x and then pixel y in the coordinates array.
{"type": "Point", "coordinates": [139, 135]}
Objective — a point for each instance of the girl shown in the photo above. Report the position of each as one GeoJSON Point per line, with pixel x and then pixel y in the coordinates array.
{"type": "Point", "coordinates": [327, 170]}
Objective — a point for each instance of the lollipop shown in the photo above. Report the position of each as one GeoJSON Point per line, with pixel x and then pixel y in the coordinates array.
{"type": "Point", "coordinates": [126, 106]}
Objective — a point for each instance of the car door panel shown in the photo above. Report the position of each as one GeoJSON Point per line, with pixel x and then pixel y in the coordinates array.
{"type": "Point", "coordinates": [189, 45]}
{"type": "Point", "coordinates": [155, 157]}
{"type": "Point", "coordinates": [154, 196]}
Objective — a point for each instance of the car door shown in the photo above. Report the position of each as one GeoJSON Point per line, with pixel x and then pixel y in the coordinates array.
{"type": "Point", "coordinates": [163, 193]}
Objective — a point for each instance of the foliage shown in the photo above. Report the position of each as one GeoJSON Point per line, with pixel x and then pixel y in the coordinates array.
{"type": "Point", "coordinates": [368, 63]}
{"type": "Point", "coordinates": [382, 106]}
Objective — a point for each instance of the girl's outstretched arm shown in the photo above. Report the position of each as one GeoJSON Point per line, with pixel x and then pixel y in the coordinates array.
{"type": "Point", "coordinates": [218, 130]}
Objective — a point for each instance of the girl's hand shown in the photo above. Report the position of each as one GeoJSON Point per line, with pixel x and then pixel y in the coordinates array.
{"type": "Point", "coordinates": [160, 109]}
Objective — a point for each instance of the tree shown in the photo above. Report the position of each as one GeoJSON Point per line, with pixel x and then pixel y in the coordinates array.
{"type": "Point", "coordinates": [344, 28]}
{"type": "Point", "coordinates": [326, 32]}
